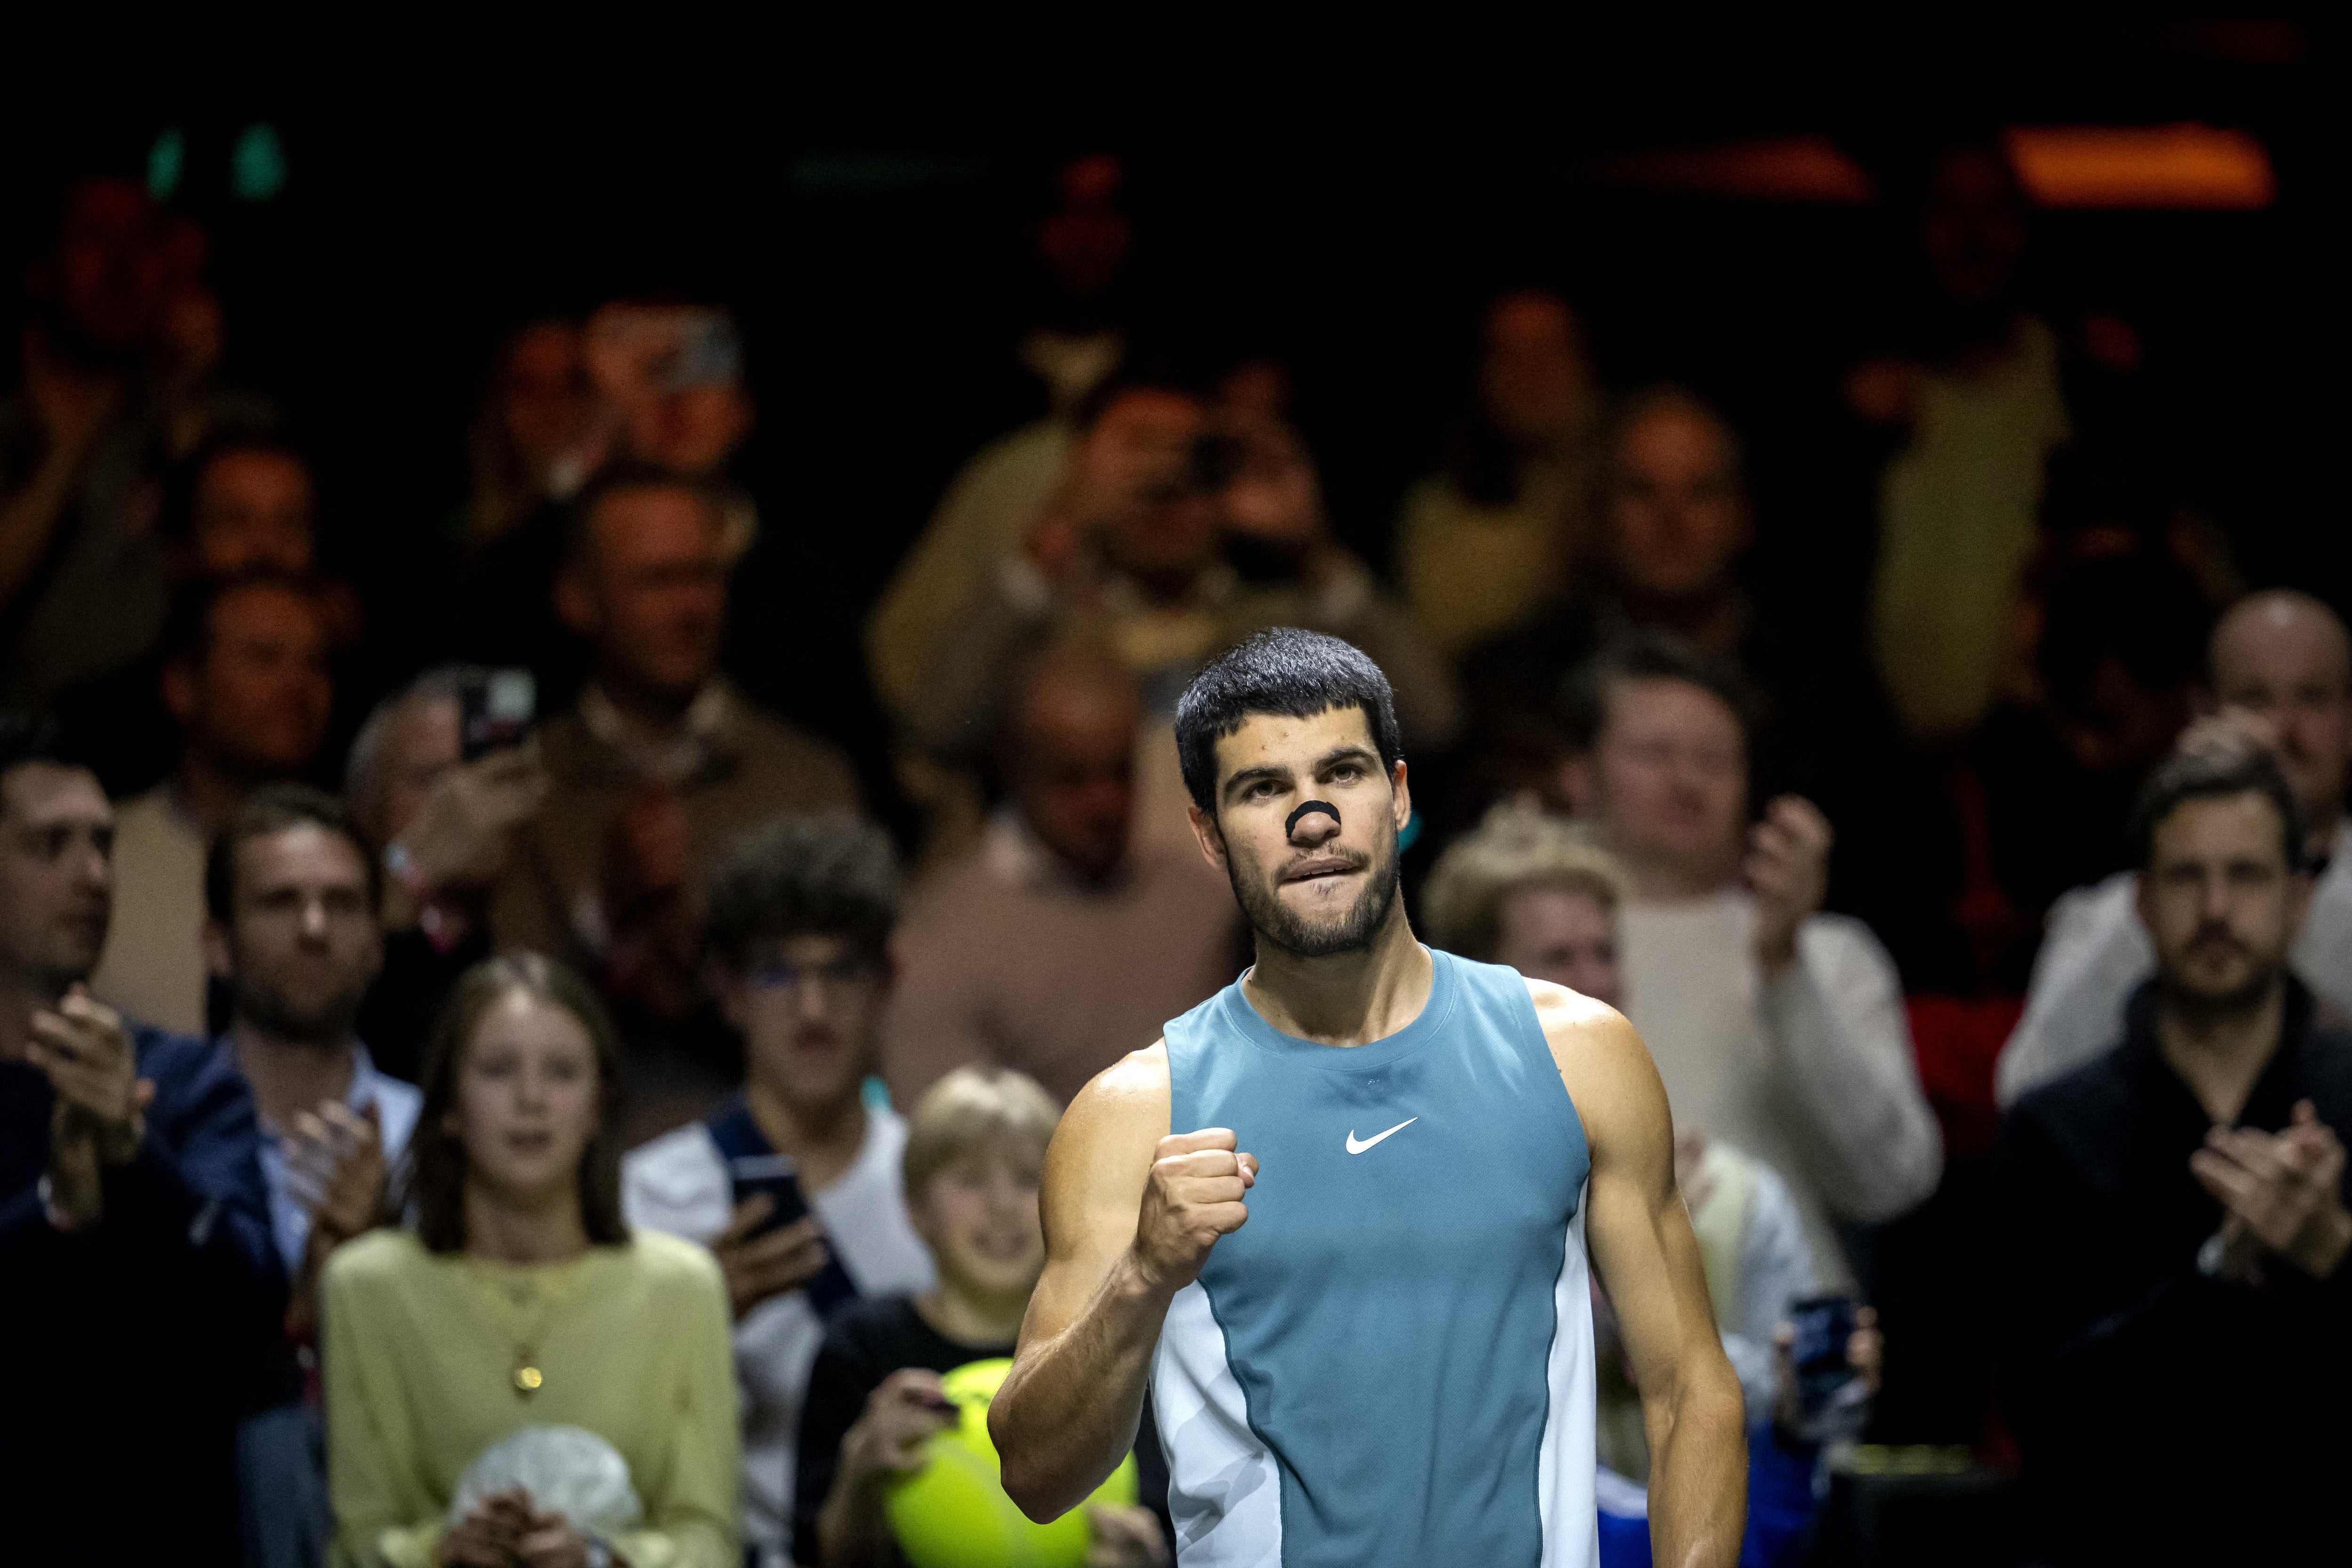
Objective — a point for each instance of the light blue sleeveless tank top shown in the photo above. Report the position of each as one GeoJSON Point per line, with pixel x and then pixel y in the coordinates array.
{"type": "Point", "coordinates": [1392, 1362]}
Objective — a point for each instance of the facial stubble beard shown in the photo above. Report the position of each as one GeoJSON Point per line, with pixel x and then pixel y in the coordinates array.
{"type": "Point", "coordinates": [1270, 918]}
{"type": "Point", "coordinates": [2235, 1002]}
{"type": "Point", "coordinates": [267, 1007]}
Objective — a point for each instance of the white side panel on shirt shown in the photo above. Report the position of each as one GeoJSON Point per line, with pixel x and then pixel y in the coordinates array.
{"type": "Point", "coordinates": [1567, 1463]}
{"type": "Point", "coordinates": [1225, 1494]}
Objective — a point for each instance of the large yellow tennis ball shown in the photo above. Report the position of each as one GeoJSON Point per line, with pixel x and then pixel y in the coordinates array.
{"type": "Point", "coordinates": [953, 1514]}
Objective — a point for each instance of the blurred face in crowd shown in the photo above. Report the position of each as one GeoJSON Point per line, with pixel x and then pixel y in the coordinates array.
{"type": "Point", "coordinates": [1534, 378]}
{"type": "Point", "coordinates": [256, 701]}
{"type": "Point", "coordinates": [254, 510]}
{"type": "Point", "coordinates": [527, 1100]}
{"type": "Point", "coordinates": [1561, 935]}
{"type": "Point", "coordinates": [1133, 480]}
{"type": "Point", "coordinates": [2219, 900]}
{"type": "Point", "coordinates": [651, 591]}
{"type": "Point", "coordinates": [1072, 763]}
{"type": "Point", "coordinates": [302, 945]}
{"type": "Point", "coordinates": [1668, 779]}
{"type": "Point", "coordinates": [671, 376]}
{"type": "Point", "coordinates": [420, 743]}
{"type": "Point", "coordinates": [978, 1217]}
{"type": "Point", "coordinates": [810, 1012]}
{"type": "Point", "coordinates": [1974, 225]}
{"type": "Point", "coordinates": [1677, 517]}
{"type": "Point", "coordinates": [1317, 887]}
{"type": "Point", "coordinates": [543, 402]}
{"type": "Point", "coordinates": [56, 873]}
{"type": "Point", "coordinates": [2283, 658]}
{"type": "Point", "coordinates": [111, 269]}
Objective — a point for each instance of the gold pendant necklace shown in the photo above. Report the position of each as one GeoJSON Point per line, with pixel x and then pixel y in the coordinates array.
{"type": "Point", "coordinates": [527, 1377]}
{"type": "Point", "coordinates": [530, 1313]}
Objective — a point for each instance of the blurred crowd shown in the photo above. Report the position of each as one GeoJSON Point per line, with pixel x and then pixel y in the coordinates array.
{"type": "Point", "coordinates": [477, 1086]}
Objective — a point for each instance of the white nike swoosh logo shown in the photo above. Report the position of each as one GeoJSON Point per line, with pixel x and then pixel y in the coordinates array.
{"type": "Point", "coordinates": [1356, 1148]}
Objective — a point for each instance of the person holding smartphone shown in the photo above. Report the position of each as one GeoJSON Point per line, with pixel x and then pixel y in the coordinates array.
{"type": "Point", "coordinates": [793, 1180]}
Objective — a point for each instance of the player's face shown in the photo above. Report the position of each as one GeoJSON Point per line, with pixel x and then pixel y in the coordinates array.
{"type": "Point", "coordinates": [1312, 887]}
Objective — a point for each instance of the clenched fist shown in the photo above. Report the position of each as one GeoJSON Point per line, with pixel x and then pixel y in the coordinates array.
{"type": "Point", "coordinates": [1193, 1197]}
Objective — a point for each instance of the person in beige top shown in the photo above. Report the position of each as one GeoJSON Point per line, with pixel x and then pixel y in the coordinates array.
{"type": "Point", "coordinates": [1054, 941]}
{"type": "Point", "coordinates": [662, 762]}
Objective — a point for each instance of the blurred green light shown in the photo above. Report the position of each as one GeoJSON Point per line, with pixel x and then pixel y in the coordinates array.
{"type": "Point", "coordinates": [166, 161]}
{"type": "Point", "coordinates": [256, 165]}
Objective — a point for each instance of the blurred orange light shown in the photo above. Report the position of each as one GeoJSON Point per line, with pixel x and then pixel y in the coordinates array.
{"type": "Point", "coordinates": [1784, 169]}
{"type": "Point", "coordinates": [2142, 166]}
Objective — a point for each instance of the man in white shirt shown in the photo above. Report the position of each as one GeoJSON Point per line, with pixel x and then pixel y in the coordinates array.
{"type": "Point", "coordinates": [2279, 665]}
{"type": "Point", "coordinates": [800, 916]}
{"type": "Point", "coordinates": [1777, 1029]}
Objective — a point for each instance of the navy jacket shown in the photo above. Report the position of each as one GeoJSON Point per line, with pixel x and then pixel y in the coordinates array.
{"type": "Point", "coordinates": [132, 1348]}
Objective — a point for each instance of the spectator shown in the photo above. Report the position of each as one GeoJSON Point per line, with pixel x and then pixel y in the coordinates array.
{"type": "Point", "coordinates": [2178, 1213]}
{"type": "Point", "coordinates": [1058, 944]}
{"type": "Point", "coordinates": [2279, 664]}
{"type": "Point", "coordinates": [1983, 408]}
{"type": "Point", "coordinates": [1173, 539]}
{"type": "Point", "coordinates": [1777, 1028]}
{"type": "Point", "coordinates": [534, 436]}
{"type": "Point", "coordinates": [1676, 524]}
{"type": "Point", "coordinates": [521, 1302]}
{"type": "Point", "coordinates": [973, 1157]}
{"type": "Point", "coordinates": [247, 684]}
{"type": "Point", "coordinates": [661, 762]}
{"type": "Point", "coordinates": [801, 912]}
{"type": "Point", "coordinates": [290, 893]}
{"type": "Point", "coordinates": [446, 829]}
{"type": "Point", "coordinates": [1505, 525]}
{"type": "Point", "coordinates": [129, 1181]}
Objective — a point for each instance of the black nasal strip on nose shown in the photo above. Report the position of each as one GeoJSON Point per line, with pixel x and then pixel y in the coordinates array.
{"type": "Point", "coordinates": [1325, 806]}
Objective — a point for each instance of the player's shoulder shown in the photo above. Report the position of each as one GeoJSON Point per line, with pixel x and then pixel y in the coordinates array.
{"type": "Point", "coordinates": [1136, 1084]}
{"type": "Point", "coordinates": [1573, 1021]}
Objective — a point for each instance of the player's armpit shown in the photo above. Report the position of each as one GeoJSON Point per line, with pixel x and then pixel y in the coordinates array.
{"type": "Point", "coordinates": [1638, 1236]}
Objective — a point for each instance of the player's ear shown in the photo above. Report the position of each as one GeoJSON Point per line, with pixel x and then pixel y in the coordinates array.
{"type": "Point", "coordinates": [1211, 837]}
{"type": "Point", "coordinates": [1400, 794]}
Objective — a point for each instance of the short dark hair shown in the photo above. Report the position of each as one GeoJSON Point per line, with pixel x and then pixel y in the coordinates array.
{"type": "Point", "coordinates": [1286, 671]}
{"type": "Point", "coordinates": [579, 518]}
{"type": "Point", "coordinates": [28, 738]}
{"type": "Point", "coordinates": [434, 1184]}
{"type": "Point", "coordinates": [274, 808]}
{"type": "Point", "coordinates": [188, 625]}
{"type": "Point", "coordinates": [823, 873]}
{"type": "Point", "coordinates": [1652, 656]}
{"type": "Point", "coordinates": [2210, 770]}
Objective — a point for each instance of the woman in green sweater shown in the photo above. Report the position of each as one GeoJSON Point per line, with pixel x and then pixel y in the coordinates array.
{"type": "Point", "coordinates": [521, 1300]}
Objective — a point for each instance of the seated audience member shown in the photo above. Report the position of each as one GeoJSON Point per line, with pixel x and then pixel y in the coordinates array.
{"type": "Point", "coordinates": [800, 918]}
{"type": "Point", "coordinates": [521, 1304]}
{"type": "Point", "coordinates": [247, 684]}
{"type": "Point", "coordinates": [444, 829]}
{"type": "Point", "coordinates": [661, 762]}
{"type": "Point", "coordinates": [1176, 545]}
{"type": "Point", "coordinates": [290, 893]}
{"type": "Point", "coordinates": [974, 1152]}
{"type": "Point", "coordinates": [2177, 1213]}
{"type": "Point", "coordinates": [129, 1182]}
{"type": "Point", "coordinates": [1777, 1029]}
{"type": "Point", "coordinates": [1506, 524]}
{"type": "Point", "coordinates": [1535, 893]}
{"type": "Point", "coordinates": [2281, 663]}
{"type": "Point", "coordinates": [533, 436]}
{"type": "Point", "coordinates": [1059, 944]}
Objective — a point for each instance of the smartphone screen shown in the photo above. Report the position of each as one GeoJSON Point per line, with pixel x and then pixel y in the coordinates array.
{"type": "Point", "coordinates": [1824, 1325]}
{"type": "Point", "coordinates": [495, 709]}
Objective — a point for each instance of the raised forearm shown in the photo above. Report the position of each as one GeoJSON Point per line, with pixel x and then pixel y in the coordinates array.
{"type": "Point", "coordinates": [1698, 1470]}
{"type": "Point", "coordinates": [1068, 1411]}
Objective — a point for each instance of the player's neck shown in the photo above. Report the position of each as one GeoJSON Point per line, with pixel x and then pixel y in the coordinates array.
{"type": "Point", "coordinates": [1349, 998]}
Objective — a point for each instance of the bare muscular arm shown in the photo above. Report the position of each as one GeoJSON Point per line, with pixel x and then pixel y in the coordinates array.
{"type": "Point", "coordinates": [1130, 1212]}
{"type": "Point", "coordinates": [1640, 1236]}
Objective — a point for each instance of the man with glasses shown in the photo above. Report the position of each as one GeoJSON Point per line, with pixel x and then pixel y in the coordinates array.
{"type": "Point", "coordinates": [794, 1181]}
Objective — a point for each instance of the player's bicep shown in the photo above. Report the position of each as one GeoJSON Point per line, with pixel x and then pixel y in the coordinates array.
{"type": "Point", "coordinates": [1636, 1228]}
{"type": "Point", "coordinates": [1095, 1169]}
